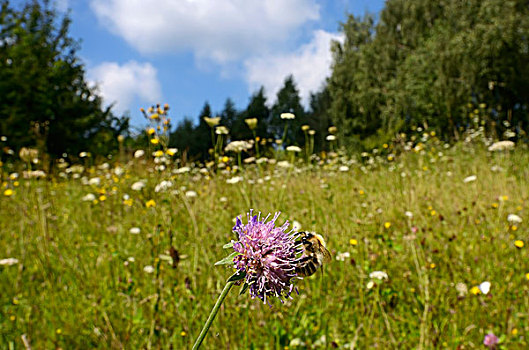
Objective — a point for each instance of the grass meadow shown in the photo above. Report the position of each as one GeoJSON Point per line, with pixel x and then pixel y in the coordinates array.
{"type": "Point", "coordinates": [96, 252]}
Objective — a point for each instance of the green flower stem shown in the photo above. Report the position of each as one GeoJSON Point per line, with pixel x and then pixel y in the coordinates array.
{"type": "Point", "coordinates": [283, 139]}
{"type": "Point", "coordinates": [256, 144]}
{"type": "Point", "coordinates": [212, 315]}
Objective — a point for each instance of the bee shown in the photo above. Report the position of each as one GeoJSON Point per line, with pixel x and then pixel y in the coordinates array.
{"type": "Point", "coordinates": [314, 255]}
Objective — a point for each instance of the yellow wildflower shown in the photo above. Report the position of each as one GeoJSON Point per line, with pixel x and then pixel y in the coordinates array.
{"type": "Point", "coordinates": [475, 290]}
{"type": "Point", "coordinates": [353, 241]}
{"type": "Point", "coordinates": [155, 141]}
{"type": "Point", "coordinates": [251, 122]}
{"type": "Point", "coordinates": [151, 131]}
{"type": "Point", "coordinates": [212, 122]}
{"type": "Point", "coordinates": [9, 192]}
{"type": "Point", "coordinates": [171, 151]}
{"type": "Point", "coordinates": [150, 203]}
{"type": "Point", "coordinates": [387, 224]}
{"type": "Point", "coordinates": [102, 198]}
{"type": "Point", "coordinates": [495, 205]}
{"type": "Point", "coordinates": [519, 244]}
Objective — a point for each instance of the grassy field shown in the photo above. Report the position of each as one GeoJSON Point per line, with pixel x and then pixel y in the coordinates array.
{"type": "Point", "coordinates": [85, 278]}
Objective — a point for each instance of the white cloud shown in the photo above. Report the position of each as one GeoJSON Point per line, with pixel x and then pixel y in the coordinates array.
{"type": "Point", "coordinates": [222, 31]}
{"type": "Point", "coordinates": [121, 84]}
{"type": "Point", "coordinates": [310, 65]}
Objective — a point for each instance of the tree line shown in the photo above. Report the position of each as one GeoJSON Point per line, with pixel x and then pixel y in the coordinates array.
{"type": "Point", "coordinates": [446, 65]}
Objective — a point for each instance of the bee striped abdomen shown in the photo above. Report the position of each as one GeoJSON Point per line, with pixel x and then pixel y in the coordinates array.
{"type": "Point", "coordinates": [307, 267]}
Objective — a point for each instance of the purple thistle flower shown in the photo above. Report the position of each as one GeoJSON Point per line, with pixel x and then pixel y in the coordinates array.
{"type": "Point", "coordinates": [268, 255]}
{"type": "Point", "coordinates": [491, 340]}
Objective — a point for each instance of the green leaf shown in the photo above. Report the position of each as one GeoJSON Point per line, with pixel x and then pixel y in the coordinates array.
{"type": "Point", "coordinates": [228, 245]}
{"type": "Point", "coordinates": [227, 260]}
{"type": "Point", "coordinates": [244, 288]}
{"type": "Point", "coordinates": [237, 276]}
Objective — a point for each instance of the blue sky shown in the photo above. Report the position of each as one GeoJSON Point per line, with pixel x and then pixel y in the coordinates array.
{"type": "Point", "coordinates": [184, 52]}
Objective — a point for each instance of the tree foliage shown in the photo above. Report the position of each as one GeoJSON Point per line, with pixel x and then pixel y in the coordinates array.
{"type": "Point", "coordinates": [44, 98]}
{"type": "Point", "coordinates": [431, 62]}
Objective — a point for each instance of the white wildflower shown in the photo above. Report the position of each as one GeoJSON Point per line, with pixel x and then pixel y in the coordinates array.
{"type": "Point", "coordinates": [234, 180]}
{"type": "Point", "coordinates": [470, 178]}
{"type": "Point", "coordinates": [163, 186]}
{"type": "Point", "coordinates": [89, 197]}
{"type": "Point", "coordinates": [9, 261]}
{"type": "Point", "coordinates": [139, 153]}
{"type": "Point", "coordinates": [293, 149]}
{"type": "Point", "coordinates": [284, 164]}
{"type": "Point", "coordinates": [135, 230]}
{"type": "Point", "coordinates": [138, 185]}
{"type": "Point", "coordinates": [296, 226]}
{"type": "Point", "coordinates": [148, 269]}
{"type": "Point", "coordinates": [191, 194]}
{"type": "Point", "coordinates": [182, 170]}
{"type": "Point", "coordinates": [343, 256]}
{"type": "Point", "coordinates": [238, 146]}
{"type": "Point", "coordinates": [501, 146]}
{"type": "Point", "coordinates": [461, 289]}
{"type": "Point", "coordinates": [287, 116]}
{"type": "Point", "coordinates": [484, 287]}
{"type": "Point", "coordinates": [514, 219]}
{"type": "Point", "coordinates": [381, 275]}
{"type": "Point", "coordinates": [95, 181]}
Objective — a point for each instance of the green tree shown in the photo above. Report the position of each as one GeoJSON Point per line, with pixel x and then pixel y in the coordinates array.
{"type": "Point", "coordinates": [318, 116]}
{"type": "Point", "coordinates": [183, 138]}
{"type": "Point", "coordinates": [288, 101]}
{"type": "Point", "coordinates": [258, 109]}
{"type": "Point", "coordinates": [201, 141]}
{"type": "Point", "coordinates": [424, 62]}
{"type": "Point", "coordinates": [44, 98]}
{"type": "Point", "coordinates": [229, 117]}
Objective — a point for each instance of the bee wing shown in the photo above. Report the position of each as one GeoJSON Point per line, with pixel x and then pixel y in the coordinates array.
{"type": "Point", "coordinates": [327, 257]}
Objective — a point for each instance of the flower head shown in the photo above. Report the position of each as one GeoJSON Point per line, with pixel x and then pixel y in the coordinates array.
{"type": "Point", "coordinates": [287, 116]}
{"type": "Point", "coordinates": [501, 146]}
{"type": "Point", "coordinates": [221, 130]}
{"type": "Point", "coordinates": [267, 254]}
{"type": "Point", "coordinates": [212, 122]}
{"type": "Point", "coordinates": [491, 340]}
{"type": "Point", "coordinates": [293, 149]}
{"type": "Point", "coordinates": [251, 122]}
